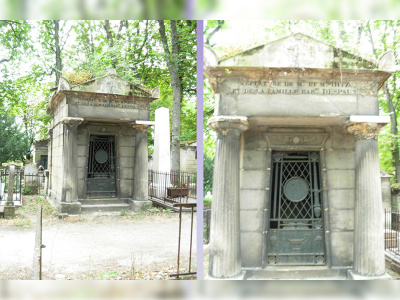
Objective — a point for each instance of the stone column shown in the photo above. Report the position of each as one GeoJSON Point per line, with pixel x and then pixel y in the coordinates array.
{"type": "Point", "coordinates": [140, 194]}
{"type": "Point", "coordinates": [69, 197]}
{"type": "Point", "coordinates": [225, 256]}
{"type": "Point", "coordinates": [50, 160]}
{"type": "Point", "coordinates": [368, 251]}
{"type": "Point", "coordinates": [9, 207]}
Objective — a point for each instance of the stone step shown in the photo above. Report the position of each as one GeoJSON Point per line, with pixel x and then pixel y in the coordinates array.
{"type": "Point", "coordinates": [294, 272]}
{"type": "Point", "coordinates": [104, 207]}
{"type": "Point", "coordinates": [101, 201]}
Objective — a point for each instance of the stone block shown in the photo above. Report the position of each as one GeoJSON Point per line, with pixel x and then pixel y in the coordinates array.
{"type": "Point", "coordinates": [343, 159]}
{"type": "Point", "coordinates": [341, 219]}
{"type": "Point", "coordinates": [82, 161]}
{"type": "Point", "coordinates": [137, 205]}
{"type": "Point", "coordinates": [227, 105]}
{"type": "Point", "coordinates": [125, 187]}
{"type": "Point", "coordinates": [70, 208]}
{"type": "Point", "coordinates": [126, 151]}
{"type": "Point", "coordinates": [251, 247]}
{"type": "Point", "coordinates": [252, 199]}
{"type": "Point", "coordinates": [253, 140]}
{"type": "Point", "coordinates": [126, 141]}
{"type": "Point", "coordinates": [253, 159]}
{"type": "Point", "coordinates": [126, 162]}
{"type": "Point", "coordinates": [341, 179]}
{"type": "Point", "coordinates": [125, 172]}
{"type": "Point", "coordinates": [82, 151]}
{"type": "Point", "coordinates": [252, 179]}
{"type": "Point", "coordinates": [340, 140]}
{"type": "Point", "coordinates": [251, 220]}
{"type": "Point", "coordinates": [294, 105]}
{"type": "Point", "coordinates": [82, 138]}
{"type": "Point", "coordinates": [9, 211]}
{"type": "Point", "coordinates": [368, 105]}
{"type": "Point", "coordinates": [342, 248]}
{"type": "Point", "coordinates": [341, 198]}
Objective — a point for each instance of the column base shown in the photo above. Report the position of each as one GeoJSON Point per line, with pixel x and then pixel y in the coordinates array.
{"type": "Point", "coordinates": [140, 205]}
{"type": "Point", "coordinates": [70, 208]}
{"type": "Point", "coordinates": [351, 275]}
{"type": "Point", "coordinates": [9, 210]}
{"type": "Point", "coordinates": [240, 276]}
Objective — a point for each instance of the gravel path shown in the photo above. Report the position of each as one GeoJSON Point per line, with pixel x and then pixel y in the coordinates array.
{"type": "Point", "coordinates": [104, 243]}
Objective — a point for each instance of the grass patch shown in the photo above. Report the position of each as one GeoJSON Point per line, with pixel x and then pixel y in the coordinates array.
{"type": "Point", "coordinates": [22, 222]}
{"type": "Point", "coordinates": [31, 204]}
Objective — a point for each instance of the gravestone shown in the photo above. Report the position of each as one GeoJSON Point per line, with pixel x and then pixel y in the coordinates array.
{"type": "Point", "coordinates": [31, 179]}
{"type": "Point", "coordinates": [9, 207]}
{"type": "Point", "coordinates": [162, 154]}
{"type": "Point", "coordinates": [296, 173]}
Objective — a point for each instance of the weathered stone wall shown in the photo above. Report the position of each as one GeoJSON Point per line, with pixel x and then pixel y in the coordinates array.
{"type": "Point", "coordinates": [125, 153]}
{"type": "Point", "coordinates": [188, 159]}
{"type": "Point", "coordinates": [56, 153]}
{"type": "Point", "coordinates": [285, 95]}
{"type": "Point", "coordinates": [339, 165]}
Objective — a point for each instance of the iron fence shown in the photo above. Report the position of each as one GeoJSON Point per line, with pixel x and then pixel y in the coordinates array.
{"type": "Point", "coordinates": [33, 184]}
{"type": "Point", "coordinates": [392, 228]}
{"type": "Point", "coordinates": [175, 186]}
{"type": "Point", "coordinates": [17, 189]}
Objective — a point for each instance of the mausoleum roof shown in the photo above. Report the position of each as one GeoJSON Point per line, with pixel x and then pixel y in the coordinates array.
{"type": "Point", "coordinates": [302, 51]}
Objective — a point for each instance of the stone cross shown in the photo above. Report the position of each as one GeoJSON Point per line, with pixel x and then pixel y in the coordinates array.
{"type": "Point", "coordinates": [162, 152]}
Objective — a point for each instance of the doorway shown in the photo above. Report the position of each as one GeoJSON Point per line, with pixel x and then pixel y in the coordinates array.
{"type": "Point", "coordinates": [101, 167]}
{"type": "Point", "coordinates": [295, 234]}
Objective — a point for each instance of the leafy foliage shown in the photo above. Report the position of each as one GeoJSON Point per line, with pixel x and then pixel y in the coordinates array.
{"type": "Point", "coordinates": [14, 144]}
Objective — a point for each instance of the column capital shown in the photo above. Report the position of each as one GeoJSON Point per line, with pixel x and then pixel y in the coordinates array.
{"type": "Point", "coordinates": [72, 122]}
{"type": "Point", "coordinates": [142, 126]}
{"type": "Point", "coordinates": [366, 127]}
{"type": "Point", "coordinates": [225, 124]}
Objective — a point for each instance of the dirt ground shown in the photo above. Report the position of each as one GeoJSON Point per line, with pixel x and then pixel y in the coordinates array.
{"type": "Point", "coordinates": [113, 245]}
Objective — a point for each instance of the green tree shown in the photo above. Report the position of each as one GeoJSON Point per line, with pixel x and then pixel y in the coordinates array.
{"type": "Point", "coordinates": [13, 143]}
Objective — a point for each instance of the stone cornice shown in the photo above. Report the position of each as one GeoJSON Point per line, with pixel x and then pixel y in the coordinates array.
{"type": "Point", "coordinates": [366, 127]}
{"type": "Point", "coordinates": [224, 72]}
{"type": "Point", "coordinates": [72, 122]}
{"type": "Point", "coordinates": [226, 124]}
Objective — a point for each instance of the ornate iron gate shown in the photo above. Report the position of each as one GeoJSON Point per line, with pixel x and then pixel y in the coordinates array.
{"type": "Point", "coordinates": [101, 167]}
{"type": "Point", "coordinates": [295, 235]}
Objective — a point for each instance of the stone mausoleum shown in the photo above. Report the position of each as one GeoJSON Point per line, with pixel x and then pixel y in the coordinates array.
{"type": "Point", "coordinates": [297, 190]}
{"type": "Point", "coordinates": [98, 153]}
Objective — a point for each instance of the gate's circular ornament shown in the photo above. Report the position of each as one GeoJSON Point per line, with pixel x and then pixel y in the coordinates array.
{"type": "Point", "coordinates": [101, 156]}
{"type": "Point", "coordinates": [295, 189]}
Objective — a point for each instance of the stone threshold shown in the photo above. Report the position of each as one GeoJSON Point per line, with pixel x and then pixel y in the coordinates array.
{"type": "Point", "coordinates": [297, 273]}
{"type": "Point", "coordinates": [392, 261]}
{"type": "Point", "coordinates": [169, 205]}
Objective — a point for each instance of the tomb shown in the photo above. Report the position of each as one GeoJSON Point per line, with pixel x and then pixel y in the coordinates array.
{"type": "Point", "coordinates": [97, 155]}
{"type": "Point", "coordinates": [297, 190]}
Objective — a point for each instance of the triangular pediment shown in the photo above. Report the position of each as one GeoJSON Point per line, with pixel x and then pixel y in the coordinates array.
{"type": "Point", "coordinates": [298, 51]}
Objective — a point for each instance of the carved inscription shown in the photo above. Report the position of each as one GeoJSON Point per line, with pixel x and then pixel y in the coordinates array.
{"type": "Point", "coordinates": [272, 87]}
{"type": "Point", "coordinates": [105, 103]}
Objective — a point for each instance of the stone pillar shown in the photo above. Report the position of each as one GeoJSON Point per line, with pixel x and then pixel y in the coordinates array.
{"type": "Point", "coordinates": [9, 207]}
{"type": "Point", "coordinates": [368, 245]}
{"type": "Point", "coordinates": [225, 256]}
{"type": "Point", "coordinates": [69, 197]}
{"type": "Point", "coordinates": [50, 159]}
{"type": "Point", "coordinates": [140, 195]}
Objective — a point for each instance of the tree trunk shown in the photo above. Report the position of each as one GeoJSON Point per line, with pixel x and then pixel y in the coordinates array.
{"type": "Point", "coordinates": [394, 132]}
{"type": "Point", "coordinates": [57, 50]}
{"type": "Point", "coordinates": [172, 60]}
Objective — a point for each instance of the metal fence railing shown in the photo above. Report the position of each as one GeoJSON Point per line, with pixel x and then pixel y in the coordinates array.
{"type": "Point", "coordinates": [175, 185]}
{"type": "Point", "coordinates": [392, 228]}
{"type": "Point", "coordinates": [33, 184]}
{"type": "Point", "coordinates": [4, 187]}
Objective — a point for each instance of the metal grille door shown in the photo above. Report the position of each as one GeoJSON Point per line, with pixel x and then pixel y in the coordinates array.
{"type": "Point", "coordinates": [101, 167]}
{"type": "Point", "coordinates": [295, 235]}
